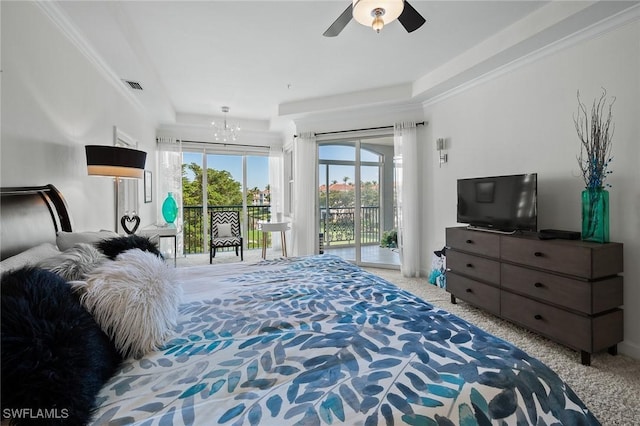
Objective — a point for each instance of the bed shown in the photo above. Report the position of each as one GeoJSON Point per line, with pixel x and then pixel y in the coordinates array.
{"type": "Point", "coordinates": [315, 340]}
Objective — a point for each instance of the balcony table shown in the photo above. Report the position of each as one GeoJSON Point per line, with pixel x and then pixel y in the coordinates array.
{"type": "Point", "coordinates": [267, 227]}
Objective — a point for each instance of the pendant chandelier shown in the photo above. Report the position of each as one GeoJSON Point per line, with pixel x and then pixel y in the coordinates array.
{"type": "Point", "coordinates": [224, 131]}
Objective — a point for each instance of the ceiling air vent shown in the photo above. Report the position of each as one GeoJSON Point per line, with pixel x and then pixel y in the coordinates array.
{"type": "Point", "coordinates": [133, 84]}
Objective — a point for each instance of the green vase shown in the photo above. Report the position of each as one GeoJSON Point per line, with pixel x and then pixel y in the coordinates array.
{"type": "Point", "coordinates": [595, 215]}
{"type": "Point", "coordinates": [169, 209]}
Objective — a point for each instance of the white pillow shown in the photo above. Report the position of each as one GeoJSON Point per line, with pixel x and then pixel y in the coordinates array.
{"type": "Point", "coordinates": [74, 263]}
{"type": "Point", "coordinates": [224, 230]}
{"type": "Point", "coordinates": [134, 299]}
{"type": "Point", "coordinates": [29, 257]}
{"type": "Point", "coordinates": [66, 240]}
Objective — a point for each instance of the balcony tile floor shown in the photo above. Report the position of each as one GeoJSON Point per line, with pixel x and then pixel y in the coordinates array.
{"type": "Point", "coordinates": [371, 256]}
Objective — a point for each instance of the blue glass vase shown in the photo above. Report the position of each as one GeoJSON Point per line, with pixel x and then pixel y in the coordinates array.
{"type": "Point", "coordinates": [170, 208]}
{"type": "Point", "coordinates": [595, 215]}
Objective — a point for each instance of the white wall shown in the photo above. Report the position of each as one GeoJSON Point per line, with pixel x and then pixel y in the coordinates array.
{"type": "Point", "coordinates": [54, 102]}
{"type": "Point", "coordinates": [522, 121]}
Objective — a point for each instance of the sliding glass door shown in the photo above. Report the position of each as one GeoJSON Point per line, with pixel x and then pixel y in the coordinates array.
{"type": "Point", "coordinates": [356, 200]}
{"type": "Point", "coordinates": [337, 202]}
{"type": "Point", "coordinates": [233, 181]}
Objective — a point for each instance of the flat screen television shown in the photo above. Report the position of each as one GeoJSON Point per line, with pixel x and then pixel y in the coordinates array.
{"type": "Point", "coordinates": [500, 203]}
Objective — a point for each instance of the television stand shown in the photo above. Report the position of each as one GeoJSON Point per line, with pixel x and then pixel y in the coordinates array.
{"type": "Point", "coordinates": [569, 291]}
{"type": "Point", "coordinates": [495, 231]}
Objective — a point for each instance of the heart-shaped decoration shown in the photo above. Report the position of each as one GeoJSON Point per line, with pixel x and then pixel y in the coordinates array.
{"type": "Point", "coordinates": [126, 220]}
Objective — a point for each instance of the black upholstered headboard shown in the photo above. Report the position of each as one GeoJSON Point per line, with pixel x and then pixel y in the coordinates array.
{"type": "Point", "coordinates": [30, 216]}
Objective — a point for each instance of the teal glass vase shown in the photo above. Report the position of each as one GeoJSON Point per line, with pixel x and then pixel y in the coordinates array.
{"type": "Point", "coordinates": [595, 215]}
{"type": "Point", "coordinates": [170, 208]}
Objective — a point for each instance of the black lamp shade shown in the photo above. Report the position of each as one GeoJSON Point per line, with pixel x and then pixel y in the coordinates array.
{"type": "Point", "coordinates": [104, 160]}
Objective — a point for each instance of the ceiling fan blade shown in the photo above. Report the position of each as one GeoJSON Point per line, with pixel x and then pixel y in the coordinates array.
{"type": "Point", "coordinates": [340, 23]}
{"type": "Point", "coordinates": [410, 18]}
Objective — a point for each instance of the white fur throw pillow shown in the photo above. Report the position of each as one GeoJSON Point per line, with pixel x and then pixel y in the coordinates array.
{"type": "Point", "coordinates": [135, 300]}
{"type": "Point", "coordinates": [74, 263]}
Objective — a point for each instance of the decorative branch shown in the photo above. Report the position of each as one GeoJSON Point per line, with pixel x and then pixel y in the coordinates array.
{"type": "Point", "coordinates": [596, 137]}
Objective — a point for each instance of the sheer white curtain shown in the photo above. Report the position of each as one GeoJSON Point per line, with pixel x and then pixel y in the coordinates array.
{"type": "Point", "coordinates": [276, 188]}
{"type": "Point", "coordinates": [276, 180]}
{"type": "Point", "coordinates": [169, 179]}
{"type": "Point", "coordinates": [304, 194]}
{"type": "Point", "coordinates": [406, 163]}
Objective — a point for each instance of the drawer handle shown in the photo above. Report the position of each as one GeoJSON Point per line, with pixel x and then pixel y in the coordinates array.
{"type": "Point", "coordinates": [469, 241]}
{"type": "Point", "coordinates": [538, 254]}
{"type": "Point", "coordinates": [538, 317]}
{"type": "Point", "coordinates": [538, 285]}
{"type": "Point", "coordinates": [469, 290]}
{"type": "Point", "coordinates": [469, 265]}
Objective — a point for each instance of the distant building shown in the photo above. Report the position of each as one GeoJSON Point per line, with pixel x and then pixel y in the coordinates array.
{"type": "Point", "coordinates": [342, 187]}
{"type": "Point", "coordinates": [260, 198]}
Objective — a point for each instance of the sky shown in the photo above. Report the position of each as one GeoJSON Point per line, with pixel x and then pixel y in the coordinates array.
{"type": "Point", "coordinates": [258, 166]}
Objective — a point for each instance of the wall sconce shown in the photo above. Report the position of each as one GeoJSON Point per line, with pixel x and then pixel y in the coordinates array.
{"type": "Point", "coordinates": [441, 145]}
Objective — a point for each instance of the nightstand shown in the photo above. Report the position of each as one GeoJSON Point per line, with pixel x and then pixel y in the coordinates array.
{"type": "Point", "coordinates": [169, 230]}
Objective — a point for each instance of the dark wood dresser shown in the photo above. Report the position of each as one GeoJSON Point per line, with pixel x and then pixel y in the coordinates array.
{"type": "Point", "coordinates": [567, 290]}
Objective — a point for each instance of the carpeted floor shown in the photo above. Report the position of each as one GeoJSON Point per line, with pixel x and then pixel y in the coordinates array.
{"type": "Point", "coordinates": [610, 387]}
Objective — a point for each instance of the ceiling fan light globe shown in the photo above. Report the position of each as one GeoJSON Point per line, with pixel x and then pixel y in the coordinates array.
{"type": "Point", "coordinates": [363, 10]}
{"type": "Point", "coordinates": [378, 24]}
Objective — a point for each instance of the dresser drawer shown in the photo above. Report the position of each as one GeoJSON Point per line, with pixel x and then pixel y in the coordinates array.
{"type": "Point", "coordinates": [479, 294]}
{"type": "Point", "coordinates": [587, 333]}
{"type": "Point", "coordinates": [590, 297]}
{"type": "Point", "coordinates": [586, 260]}
{"type": "Point", "coordinates": [571, 329]}
{"type": "Point", "coordinates": [479, 242]}
{"type": "Point", "coordinates": [474, 266]}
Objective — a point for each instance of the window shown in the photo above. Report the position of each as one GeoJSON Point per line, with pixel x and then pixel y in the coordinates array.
{"type": "Point", "coordinates": [218, 178]}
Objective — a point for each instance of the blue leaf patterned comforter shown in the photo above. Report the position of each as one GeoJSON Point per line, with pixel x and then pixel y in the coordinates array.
{"type": "Point", "coordinates": [318, 341]}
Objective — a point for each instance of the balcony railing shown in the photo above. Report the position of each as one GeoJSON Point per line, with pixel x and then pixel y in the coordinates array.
{"type": "Point", "coordinates": [337, 225]}
{"type": "Point", "coordinates": [193, 226]}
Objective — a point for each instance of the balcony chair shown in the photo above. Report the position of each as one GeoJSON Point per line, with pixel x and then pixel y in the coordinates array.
{"type": "Point", "coordinates": [224, 232]}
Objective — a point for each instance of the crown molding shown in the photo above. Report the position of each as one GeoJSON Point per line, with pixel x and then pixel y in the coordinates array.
{"type": "Point", "coordinates": [590, 32]}
{"type": "Point", "coordinates": [203, 133]}
{"type": "Point", "coordinates": [60, 19]}
{"type": "Point", "coordinates": [344, 101]}
{"type": "Point", "coordinates": [364, 115]}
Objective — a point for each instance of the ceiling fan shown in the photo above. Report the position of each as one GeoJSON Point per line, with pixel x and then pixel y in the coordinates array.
{"type": "Point", "coordinates": [377, 13]}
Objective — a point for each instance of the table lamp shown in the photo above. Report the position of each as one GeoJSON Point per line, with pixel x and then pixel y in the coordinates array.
{"type": "Point", "coordinates": [118, 162]}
